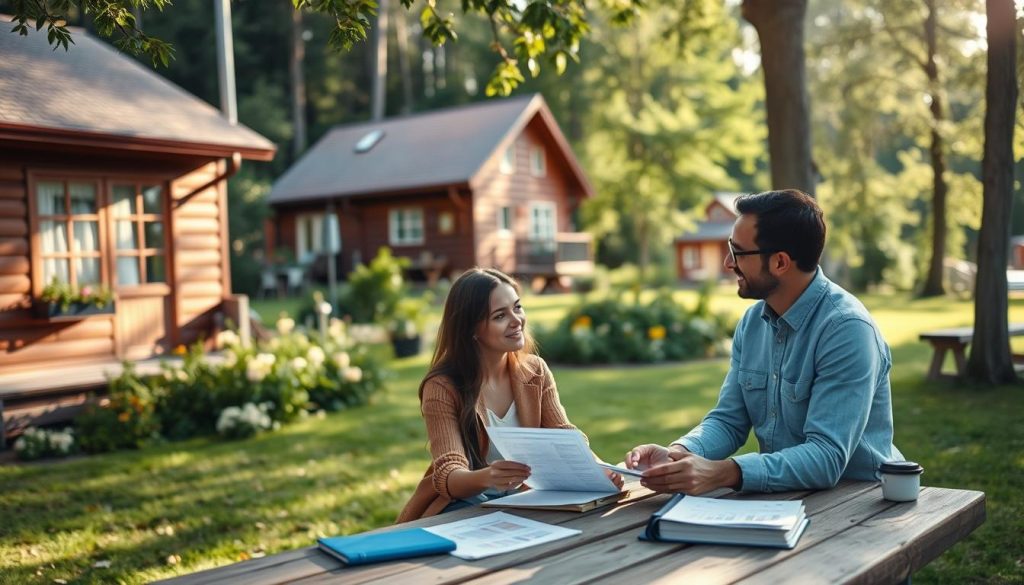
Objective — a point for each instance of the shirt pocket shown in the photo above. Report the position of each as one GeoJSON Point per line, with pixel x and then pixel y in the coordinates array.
{"type": "Point", "coordinates": [795, 398]}
{"type": "Point", "coordinates": [754, 384]}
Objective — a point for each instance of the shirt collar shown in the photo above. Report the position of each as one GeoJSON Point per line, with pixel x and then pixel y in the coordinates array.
{"type": "Point", "coordinates": [799, 311]}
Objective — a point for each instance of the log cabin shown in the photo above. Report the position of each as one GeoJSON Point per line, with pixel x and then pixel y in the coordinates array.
{"type": "Point", "coordinates": [110, 176]}
{"type": "Point", "coordinates": [700, 254]}
{"type": "Point", "coordinates": [487, 184]}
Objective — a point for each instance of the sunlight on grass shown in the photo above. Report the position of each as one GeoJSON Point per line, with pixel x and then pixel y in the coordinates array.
{"type": "Point", "coordinates": [213, 503]}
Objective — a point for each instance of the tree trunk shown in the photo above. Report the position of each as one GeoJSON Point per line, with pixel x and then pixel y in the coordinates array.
{"type": "Point", "coordinates": [379, 74]}
{"type": "Point", "coordinates": [404, 68]}
{"type": "Point", "coordinates": [933, 286]}
{"type": "Point", "coordinates": [298, 79]}
{"type": "Point", "coordinates": [990, 359]}
{"type": "Point", "coordinates": [780, 28]}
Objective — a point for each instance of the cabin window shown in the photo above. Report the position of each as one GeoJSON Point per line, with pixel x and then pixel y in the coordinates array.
{"type": "Point", "coordinates": [446, 223]}
{"type": "Point", "coordinates": [309, 236]}
{"type": "Point", "coordinates": [505, 219]}
{"type": "Point", "coordinates": [691, 258]}
{"type": "Point", "coordinates": [137, 212]}
{"type": "Point", "coordinates": [538, 164]}
{"type": "Point", "coordinates": [508, 160]}
{"type": "Point", "coordinates": [69, 231]}
{"type": "Point", "coordinates": [542, 221]}
{"type": "Point", "coordinates": [405, 226]}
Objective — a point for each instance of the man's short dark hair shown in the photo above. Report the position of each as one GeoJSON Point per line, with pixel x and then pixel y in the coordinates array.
{"type": "Point", "coordinates": [787, 221]}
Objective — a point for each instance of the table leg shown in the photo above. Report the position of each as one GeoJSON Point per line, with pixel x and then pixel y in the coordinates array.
{"type": "Point", "coordinates": [938, 355]}
{"type": "Point", "coordinates": [961, 361]}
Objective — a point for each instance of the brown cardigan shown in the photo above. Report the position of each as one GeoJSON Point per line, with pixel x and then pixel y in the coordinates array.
{"type": "Point", "coordinates": [537, 406]}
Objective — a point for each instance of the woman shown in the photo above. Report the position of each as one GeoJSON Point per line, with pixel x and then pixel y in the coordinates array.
{"type": "Point", "coordinates": [484, 373]}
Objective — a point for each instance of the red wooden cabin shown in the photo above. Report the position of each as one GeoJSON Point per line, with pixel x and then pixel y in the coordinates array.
{"type": "Point", "coordinates": [490, 184]}
{"type": "Point", "coordinates": [109, 176]}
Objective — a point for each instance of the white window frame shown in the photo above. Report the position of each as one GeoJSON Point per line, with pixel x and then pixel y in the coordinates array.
{"type": "Point", "coordinates": [504, 218]}
{"type": "Point", "coordinates": [405, 219]}
{"type": "Point", "coordinates": [304, 223]}
{"type": "Point", "coordinates": [691, 258]}
{"type": "Point", "coordinates": [543, 221]}
{"type": "Point", "coordinates": [538, 162]}
{"type": "Point", "coordinates": [507, 166]}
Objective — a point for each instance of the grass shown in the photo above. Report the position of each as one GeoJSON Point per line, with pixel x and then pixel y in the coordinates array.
{"type": "Point", "coordinates": [181, 507]}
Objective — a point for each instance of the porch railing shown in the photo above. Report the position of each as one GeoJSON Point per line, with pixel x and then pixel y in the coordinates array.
{"type": "Point", "coordinates": [569, 253]}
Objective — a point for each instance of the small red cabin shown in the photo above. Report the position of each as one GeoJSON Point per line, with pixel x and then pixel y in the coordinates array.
{"type": "Point", "coordinates": [700, 254]}
{"type": "Point", "coordinates": [489, 184]}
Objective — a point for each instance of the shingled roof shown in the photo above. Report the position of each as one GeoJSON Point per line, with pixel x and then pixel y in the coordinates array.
{"type": "Point", "coordinates": [94, 95]}
{"type": "Point", "coordinates": [437, 149]}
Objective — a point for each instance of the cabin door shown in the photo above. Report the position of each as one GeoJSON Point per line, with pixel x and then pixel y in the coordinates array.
{"type": "Point", "coordinates": [138, 234]}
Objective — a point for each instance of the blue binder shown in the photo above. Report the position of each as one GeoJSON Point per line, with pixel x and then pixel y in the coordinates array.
{"type": "Point", "coordinates": [361, 549]}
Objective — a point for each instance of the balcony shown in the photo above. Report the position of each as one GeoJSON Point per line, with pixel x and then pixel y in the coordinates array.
{"type": "Point", "coordinates": [569, 254]}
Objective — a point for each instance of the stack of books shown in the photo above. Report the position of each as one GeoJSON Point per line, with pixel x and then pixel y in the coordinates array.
{"type": "Point", "coordinates": [767, 523]}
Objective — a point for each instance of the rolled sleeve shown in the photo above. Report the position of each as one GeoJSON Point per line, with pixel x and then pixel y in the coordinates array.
{"type": "Point", "coordinates": [440, 412]}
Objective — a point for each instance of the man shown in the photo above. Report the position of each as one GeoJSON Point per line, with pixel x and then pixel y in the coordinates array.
{"type": "Point", "coordinates": [809, 371]}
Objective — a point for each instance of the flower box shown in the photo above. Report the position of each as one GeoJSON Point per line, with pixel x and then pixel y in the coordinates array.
{"type": "Point", "coordinates": [52, 311]}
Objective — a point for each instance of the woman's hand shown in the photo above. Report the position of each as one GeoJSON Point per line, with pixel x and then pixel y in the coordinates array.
{"type": "Point", "coordinates": [505, 475]}
{"type": "Point", "coordinates": [616, 478]}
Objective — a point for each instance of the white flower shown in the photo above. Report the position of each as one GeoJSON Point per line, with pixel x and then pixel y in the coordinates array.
{"type": "Point", "coordinates": [299, 363]}
{"type": "Point", "coordinates": [336, 329]}
{"type": "Point", "coordinates": [181, 375]}
{"type": "Point", "coordinates": [255, 371]}
{"type": "Point", "coordinates": [228, 338]}
{"type": "Point", "coordinates": [342, 359]}
{"type": "Point", "coordinates": [267, 359]}
{"type": "Point", "coordinates": [316, 356]}
{"type": "Point", "coordinates": [231, 359]}
{"type": "Point", "coordinates": [285, 325]}
{"type": "Point", "coordinates": [352, 374]}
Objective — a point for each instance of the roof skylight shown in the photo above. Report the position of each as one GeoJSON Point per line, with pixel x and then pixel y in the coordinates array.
{"type": "Point", "coordinates": [368, 141]}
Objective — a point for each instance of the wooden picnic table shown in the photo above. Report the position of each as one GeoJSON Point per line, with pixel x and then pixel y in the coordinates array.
{"type": "Point", "coordinates": [854, 536]}
{"type": "Point", "coordinates": [956, 340]}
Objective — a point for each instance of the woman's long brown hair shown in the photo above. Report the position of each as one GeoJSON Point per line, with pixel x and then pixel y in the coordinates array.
{"type": "Point", "coordinates": [457, 353]}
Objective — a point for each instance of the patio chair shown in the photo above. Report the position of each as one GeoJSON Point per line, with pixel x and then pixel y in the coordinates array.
{"type": "Point", "coordinates": [268, 283]}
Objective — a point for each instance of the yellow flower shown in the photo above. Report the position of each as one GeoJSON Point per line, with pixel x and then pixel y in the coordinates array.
{"type": "Point", "coordinates": [656, 332]}
{"type": "Point", "coordinates": [180, 350]}
{"type": "Point", "coordinates": [124, 416]}
{"type": "Point", "coordinates": [582, 322]}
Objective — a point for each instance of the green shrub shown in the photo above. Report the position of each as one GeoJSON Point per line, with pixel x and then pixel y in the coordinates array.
{"type": "Point", "coordinates": [126, 419]}
{"type": "Point", "coordinates": [37, 443]}
{"type": "Point", "coordinates": [374, 289]}
{"type": "Point", "coordinates": [614, 331]}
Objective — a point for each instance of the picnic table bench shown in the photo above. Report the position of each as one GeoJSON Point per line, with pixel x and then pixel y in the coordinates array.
{"type": "Point", "coordinates": [854, 537]}
{"type": "Point", "coordinates": [956, 340]}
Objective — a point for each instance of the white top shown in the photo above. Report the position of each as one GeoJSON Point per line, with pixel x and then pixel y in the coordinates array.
{"type": "Point", "coordinates": [511, 419]}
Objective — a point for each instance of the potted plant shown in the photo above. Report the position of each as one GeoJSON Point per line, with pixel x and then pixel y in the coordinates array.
{"type": "Point", "coordinates": [406, 326]}
{"type": "Point", "coordinates": [63, 301]}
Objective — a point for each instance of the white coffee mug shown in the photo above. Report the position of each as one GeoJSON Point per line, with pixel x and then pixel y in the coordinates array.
{"type": "Point", "coordinates": [901, 480]}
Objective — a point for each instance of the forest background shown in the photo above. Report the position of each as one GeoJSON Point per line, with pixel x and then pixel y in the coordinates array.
{"type": "Point", "coordinates": [662, 113]}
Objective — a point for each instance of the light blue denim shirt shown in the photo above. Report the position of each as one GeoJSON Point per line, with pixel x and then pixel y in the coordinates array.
{"type": "Point", "coordinates": [814, 386]}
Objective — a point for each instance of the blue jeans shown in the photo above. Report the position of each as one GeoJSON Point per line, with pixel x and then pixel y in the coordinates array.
{"type": "Point", "coordinates": [472, 501]}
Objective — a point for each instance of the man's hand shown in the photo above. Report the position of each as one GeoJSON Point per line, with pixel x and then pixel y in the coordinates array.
{"type": "Point", "coordinates": [649, 455]}
{"type": "Point", "coordinates": [690, 474]}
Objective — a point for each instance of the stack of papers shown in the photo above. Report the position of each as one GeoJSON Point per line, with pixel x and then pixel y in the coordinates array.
{"type": "Point", "coordinates": [563, 472]}
{"type": "Point", "coordinates": [770, 523]}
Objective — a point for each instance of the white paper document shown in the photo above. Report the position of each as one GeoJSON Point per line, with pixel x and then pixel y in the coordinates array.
{"type": "Point", "coordinates": [559, 459]}
{"type": "Point", "coordinates": [737, 513]}
{"type": "Point", "coordinates": [492, 534]}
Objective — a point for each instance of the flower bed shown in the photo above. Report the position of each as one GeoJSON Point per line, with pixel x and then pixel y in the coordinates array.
{"type": "Point", "coordinates": [614, 331]}
{"type": "Point", "coordinates": [251, 390]}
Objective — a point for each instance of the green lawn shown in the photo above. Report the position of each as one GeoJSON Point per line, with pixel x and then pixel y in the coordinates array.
{"type": "Point", "coordinates": [181, 507]}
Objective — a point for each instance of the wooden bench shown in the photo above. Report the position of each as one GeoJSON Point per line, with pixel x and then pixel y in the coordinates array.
{"type": "Point", "coordinates": [956, 340]}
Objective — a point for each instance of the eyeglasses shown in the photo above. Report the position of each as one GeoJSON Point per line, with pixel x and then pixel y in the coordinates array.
{"type": "Point", "coordinates": [734, 254]}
